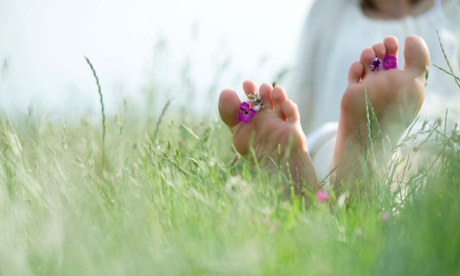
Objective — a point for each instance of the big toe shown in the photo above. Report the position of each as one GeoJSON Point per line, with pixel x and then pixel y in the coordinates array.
{"type": "Point", "coordinates": [229, 107]}
{"type": "Point", "coordinates": [416, 55]}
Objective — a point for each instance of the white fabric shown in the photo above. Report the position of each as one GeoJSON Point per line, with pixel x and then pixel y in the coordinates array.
{"type": "Point", "coordinates": [335, 33]}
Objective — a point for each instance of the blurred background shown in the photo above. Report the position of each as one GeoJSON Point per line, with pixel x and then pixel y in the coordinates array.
{"type": "Point", "coordinates": [145, 52]}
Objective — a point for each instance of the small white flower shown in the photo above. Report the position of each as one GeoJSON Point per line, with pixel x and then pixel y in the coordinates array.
{"type": "Point", "coordinates": [257, 107]}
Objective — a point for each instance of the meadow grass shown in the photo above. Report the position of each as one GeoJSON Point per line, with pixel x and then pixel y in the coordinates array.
{"type": "Point", "coordinates": [162, 196]}
{"type": "Point", "coordinates": [167, 202]}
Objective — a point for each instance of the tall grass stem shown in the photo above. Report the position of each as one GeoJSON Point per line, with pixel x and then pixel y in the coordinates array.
{"type": "Point", "coordinates": [102, 105]}
{"type": "Point", "coordinates": [163, 112]}
{"type": "Point", "coordinates": [457, 80]}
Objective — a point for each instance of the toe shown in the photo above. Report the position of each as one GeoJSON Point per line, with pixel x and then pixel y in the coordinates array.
{"type": "Point", "coordinates": [379, 50]}
{"type": "Point", "coordinates": [365, 59]}
{"type": "Point", "coordinates": [391, 45]}
{"type": "Point", "coordinates": [416, 55]}
{"type": "Point", "coordinates": [250, 87]}
{"type": "Point", "coordinates": [279, 98]}
{"type": "Point", "coordinates": [290, 110]}
{"type": "Point", "coordinates": [229, 107]}
{"type": "Point", "coordinates": [266, 91]}
{"type": "Point", "coordinates": [355, 72]}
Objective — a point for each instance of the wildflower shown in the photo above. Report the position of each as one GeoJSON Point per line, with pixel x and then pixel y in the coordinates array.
{"type": "Point", "coordinates": [322, 196]}
{"type": "Point", "coordinates": [389, 62]}
{"type": "Point", "coordinates": [255, 98]}
{"type": "Point", "coordinates": [237, 187]}
{"type": "Point", "coordinates": [376, 64]}
{"type": "Point", "coordinates": [258, 106]}
{"type": "Point", "coordinates": [385, 216]}
{"type": "Point", "coordinates": [246, 113]}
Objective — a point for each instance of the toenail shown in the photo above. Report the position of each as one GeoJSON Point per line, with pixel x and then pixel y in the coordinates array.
{"type": "Point", "coordinates": [390, 62]}
{"type": "Point", "coordinates": [376, 64]}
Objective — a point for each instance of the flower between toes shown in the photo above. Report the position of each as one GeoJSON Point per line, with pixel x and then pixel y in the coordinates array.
{"type": "Point", "coordinates": [376, 64]}
{"type": "Point", "coordinates": [246, 113]}
{"type": "Point", "coordinates": [389, 62]}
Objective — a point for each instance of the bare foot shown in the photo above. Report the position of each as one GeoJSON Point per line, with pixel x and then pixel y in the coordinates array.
{"type": "Point", "coordinates": [395, 95]}
{"type": "Point", "coordinates": [274, 133]}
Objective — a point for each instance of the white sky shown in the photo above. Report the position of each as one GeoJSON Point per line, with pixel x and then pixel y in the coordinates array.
{"type": "Point", "coordinates": [43, 44]}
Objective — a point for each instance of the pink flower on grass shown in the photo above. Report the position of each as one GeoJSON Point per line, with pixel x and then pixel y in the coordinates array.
{"type": "Point", "coordinates": [390, 62]}
{"type": "Point", "coordinates": [385, 216]}
{"type": "Point", "coordinates": [246, 113]}
{"type": "Point", "coordinates": [376, 64]}
{"type": "Point", "coordinates": [322, 196]}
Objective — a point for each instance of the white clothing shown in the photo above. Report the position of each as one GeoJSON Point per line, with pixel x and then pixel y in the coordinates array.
{"type": "Point", "coordinates": [336, 32]}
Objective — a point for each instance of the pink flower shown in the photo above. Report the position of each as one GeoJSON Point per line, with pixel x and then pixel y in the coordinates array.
{"type": "Point", "coordinates": [385, 216]}
{"type": "Point", "coordinates": [322, 196]}
{"type": "Point", "coordinates": [246, 113]}
{"type": "Point", "coordinates": [390, 62]}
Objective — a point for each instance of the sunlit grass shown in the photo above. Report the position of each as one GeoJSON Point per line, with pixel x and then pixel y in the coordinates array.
{"type": "Point", "coordinates": [167, 201]}
{"type": "Point", "coordinates": [161, 196]}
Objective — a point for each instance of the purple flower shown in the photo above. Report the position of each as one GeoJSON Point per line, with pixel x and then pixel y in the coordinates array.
{"type": "Point", "coordinates": [389, 62]}
{"type": "Point", "coordinates": [322, 196]}
{"type": "Point", "coordinates": [376, 64]}
{"type": "Point", "coordinates": [246, 113]}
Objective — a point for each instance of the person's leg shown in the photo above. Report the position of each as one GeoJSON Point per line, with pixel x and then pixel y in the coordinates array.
{"type": "Point", "coordinates": [274, 133]}
{"type": "Point", "coordinates": [395, 97]}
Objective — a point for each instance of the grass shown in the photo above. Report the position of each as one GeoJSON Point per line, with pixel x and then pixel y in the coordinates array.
{"type": "Point", "coordinates": [158, 196]}
{"type": "Point", "coordinates": [167, 202]}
